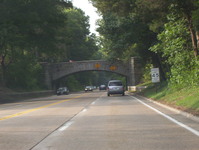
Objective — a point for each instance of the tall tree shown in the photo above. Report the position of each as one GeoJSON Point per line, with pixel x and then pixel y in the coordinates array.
{"type": "Point", "coordinates": [28, 27]}
{"type": "Point", "coordinates": [80, 44]}
{"type": "Point", "coordinates": [174, 45]}
{"type": "Point", "coordinates": [153, 13]}
{"type": "Point", "coordinates": [187, 7]}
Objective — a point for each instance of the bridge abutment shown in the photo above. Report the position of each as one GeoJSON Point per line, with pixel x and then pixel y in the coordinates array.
{"type": "Point", "coordinates": [47, 75]}
{"type": "Point", "coordinates": [134, 71]}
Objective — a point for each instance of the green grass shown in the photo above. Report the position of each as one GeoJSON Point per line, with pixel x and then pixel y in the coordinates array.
{"type": "Point", "coordinates": [186, 98]}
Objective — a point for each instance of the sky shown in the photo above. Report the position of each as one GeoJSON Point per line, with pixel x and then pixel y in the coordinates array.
{"type": "Point", "coordinates": [89, 11]}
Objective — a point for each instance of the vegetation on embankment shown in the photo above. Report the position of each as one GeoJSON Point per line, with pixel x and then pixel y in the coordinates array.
{"type": "Point", "coordinates": [185, 99]}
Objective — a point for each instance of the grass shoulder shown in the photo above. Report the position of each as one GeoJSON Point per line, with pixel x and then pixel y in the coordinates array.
{"type": "Point", "coordinates": [185, 99]}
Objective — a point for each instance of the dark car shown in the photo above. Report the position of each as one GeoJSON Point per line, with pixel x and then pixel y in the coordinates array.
{"type": "Point", "coordinates": [102, 87]}
{"type": "Point", "coordinates": [62, 90]}
{"type": "Point", "coordinates": [115, 87]}
{"type": "Point", "coordinates": [88, 88]}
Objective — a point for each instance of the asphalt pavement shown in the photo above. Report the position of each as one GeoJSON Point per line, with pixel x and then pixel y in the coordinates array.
{"type": "Point", "coordinates": [93, 121]}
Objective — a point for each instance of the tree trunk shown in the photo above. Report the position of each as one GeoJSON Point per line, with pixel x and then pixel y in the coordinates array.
{"type": "Point", "coordinates": [194, 36]}
{"type": "Point", "coordinates": [194, 43]}
{"type": "Point", "coordinates": [197, 37]}
{"type": "Point", "coordinates": [3, 69]}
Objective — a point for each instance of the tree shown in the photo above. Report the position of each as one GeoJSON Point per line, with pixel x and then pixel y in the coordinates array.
{"type": "Point", "coordinates": [196, 22]}
{"type": "Point", "coordinates": [174, 45]}
{"type": "Point", "coordinates": [119, 7]}
{"type": "Point", "coordinates": [187, 8]}
{"type": "Point", "coordinates": [153, 14]}
{"type": "Point", "coordinates": [126, 31]}
{"type": "Point", "coordinates": [80, 45]}
{"type": "Point", "coordinates": [124, 37]}
{"type": "Point", "coordinates": [28, 27]}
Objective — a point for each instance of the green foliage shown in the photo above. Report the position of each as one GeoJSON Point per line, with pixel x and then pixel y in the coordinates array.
{"type": "Point", "coordinates": [24, 74]}
{"type": "Point", "coordinates": [186, 98]}
{"type": "Point", "coordinates": [152, 12]}
{"type": "Point", "coordinates": [175, 46]}
{"type": "Point", "coordinates": [31, 24]}
{"type": "Point", "coordinates": [123, 37]}
{"type": "Point", "coordinates": [120, 7]}
{"type": "Point", "coordinates": [131, 30]}
{"type": "Point", "coordinates": [27, 28]}
{"type": "Point", "coordinates": [156, 90]}
{"type": "Point", "coordinates": [147, 73]}
{"type": "Point", "coordinates": [196, 16]}
{"type": "Point", "coordinates": [53, 31]}
{"type": "Point", "coordinates": [77, 44]}
{"type": "Point", "coordinates": [33, 31]}
{"type": "Point", "coordinates": [73, 84]}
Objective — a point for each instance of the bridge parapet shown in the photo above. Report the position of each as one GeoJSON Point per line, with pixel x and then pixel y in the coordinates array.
{"type": "Point", "coordinates": [60, 70]}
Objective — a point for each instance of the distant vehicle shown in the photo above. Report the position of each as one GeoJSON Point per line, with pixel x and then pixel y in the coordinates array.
{"type": "Point", "coordinates": [62, 90]}
{"type": "Point", "coordinates": [115, 87]}
{"type": "Point", "coordinates": [102, 87]}
{"type": "Point", "coordinates": [88, 88]}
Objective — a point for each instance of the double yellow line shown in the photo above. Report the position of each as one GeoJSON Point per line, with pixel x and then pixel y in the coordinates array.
{"type": "Point", "coordinates": [38, 108]}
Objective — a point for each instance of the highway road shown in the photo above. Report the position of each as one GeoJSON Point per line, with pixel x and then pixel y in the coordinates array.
{"type": "Point", "coordinates": [94, 121]}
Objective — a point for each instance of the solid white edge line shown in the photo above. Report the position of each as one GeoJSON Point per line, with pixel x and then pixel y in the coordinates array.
{"type": "Point", "coordinates": [188, 115]}
{"type": "Point", "coordinates": [169, 118]}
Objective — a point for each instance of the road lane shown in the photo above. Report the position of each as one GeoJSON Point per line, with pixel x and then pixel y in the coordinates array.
{"type": "Point", "coordinates": [37, 108]}
{"type": "Point", "coordinates": [92, 121]}
{"type": "Point", "coordinates": [170, 118]}
{"type": "Point", "coordinates": [119, 123]}
{"type": "Point", "coordinates": [13, 108]}
{"type": "Point", "coordinates": [185, 118]}
{"type": "Point", "coordinates": [23, 131]}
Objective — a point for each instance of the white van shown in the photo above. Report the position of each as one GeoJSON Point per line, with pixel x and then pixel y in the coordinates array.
{"type": "Point", "coordinates": [115, 87]}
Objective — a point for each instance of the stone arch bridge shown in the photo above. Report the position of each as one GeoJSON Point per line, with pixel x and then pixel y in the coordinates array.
{"type": "Point", "coordinates": [55, 71]}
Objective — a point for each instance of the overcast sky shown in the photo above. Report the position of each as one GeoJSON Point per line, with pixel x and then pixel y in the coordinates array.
{"type": "Point", "coordinates": [89, 11]}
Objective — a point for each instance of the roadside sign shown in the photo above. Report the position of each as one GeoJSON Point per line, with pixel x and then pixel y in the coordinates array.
{"type": "Point", "coordinates": [155, 75]}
